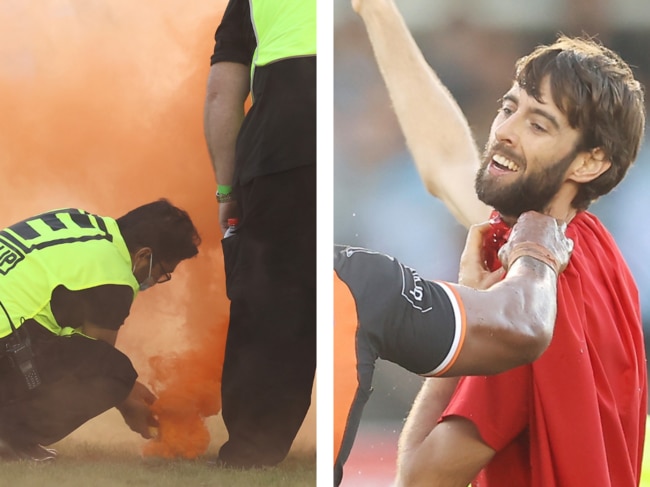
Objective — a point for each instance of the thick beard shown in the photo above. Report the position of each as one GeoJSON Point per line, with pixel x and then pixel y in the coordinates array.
{"type": "Point", "coordinates": [532, 192]}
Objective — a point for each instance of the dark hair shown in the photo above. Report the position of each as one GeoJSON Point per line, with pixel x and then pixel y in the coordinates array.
{"type": "Point", "coordinates": [597, 92]}
{"type": "Point", "coordinates": [166, 229]}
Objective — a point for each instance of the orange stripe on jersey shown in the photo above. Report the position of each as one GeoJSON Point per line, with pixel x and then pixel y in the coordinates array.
{"type": "Point", "coordinates": [345, 358]}
{"type": "Point", "coordinates": [463, 327]}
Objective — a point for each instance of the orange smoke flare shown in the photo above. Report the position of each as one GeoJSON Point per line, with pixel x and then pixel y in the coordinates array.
{"type": "Point", "coordinates": [191, 394]}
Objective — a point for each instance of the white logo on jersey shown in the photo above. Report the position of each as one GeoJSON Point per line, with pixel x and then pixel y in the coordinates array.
{"type": "Point", "coordinates": [412, 291]}
{"type": "Point", "coordinates": [416, 292]}
{"type": "Point", "coordinates": [350, 251]}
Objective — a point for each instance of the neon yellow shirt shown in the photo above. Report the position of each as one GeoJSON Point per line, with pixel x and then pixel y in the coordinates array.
{"type": "Point", "coordinates": [284, 29]}
{"type": "Point", "coordinates": [68, 247]}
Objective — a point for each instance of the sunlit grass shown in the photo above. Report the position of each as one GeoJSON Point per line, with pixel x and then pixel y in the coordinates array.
{"type": "Point", "coordinates": [105, 453]}
{"type": "Point", "coordinates": [88, 465]}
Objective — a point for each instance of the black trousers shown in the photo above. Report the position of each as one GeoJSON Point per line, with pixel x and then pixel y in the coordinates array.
{"type": "Point", "coordinates": [80, 379]}
{"type": "Point", "coordinates": [270, 357]}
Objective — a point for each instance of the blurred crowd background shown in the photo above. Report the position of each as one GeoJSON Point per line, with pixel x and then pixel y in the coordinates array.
{"type": "Point", "coordinates": [379, 200]}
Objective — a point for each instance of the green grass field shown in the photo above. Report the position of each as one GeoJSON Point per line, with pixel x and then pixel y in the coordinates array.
{"type": "Point", "coordinates": [105, 453]}
{"type": "Point", "coordinates": [86, 465]}
{"type": "Point", "coordinates": [83, 464]}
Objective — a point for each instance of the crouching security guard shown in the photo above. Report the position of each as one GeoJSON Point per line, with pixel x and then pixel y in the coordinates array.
{"type": "Point", "coordinates": [67, 282]}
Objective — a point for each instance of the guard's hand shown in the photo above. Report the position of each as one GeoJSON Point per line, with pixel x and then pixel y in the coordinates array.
{"type": "Point", "coordinates": [227, 210]}
{"type": "Point", "coordinates": [136, 410]}
{"type": "Point", "coordinates": [541, 230]}
{"type": "Point", "coordinates": [473, 272]}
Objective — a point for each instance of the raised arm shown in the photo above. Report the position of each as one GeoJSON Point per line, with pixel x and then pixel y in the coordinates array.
{"type": "Point", "coordinates": [433, 124]}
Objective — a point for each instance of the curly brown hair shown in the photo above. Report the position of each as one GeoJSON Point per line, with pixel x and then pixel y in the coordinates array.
{"type": "Point", "coordinates": [598, 93]}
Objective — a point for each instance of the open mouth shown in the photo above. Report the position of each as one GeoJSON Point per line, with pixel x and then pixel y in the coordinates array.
{"type": "Point", "coordinates": [504, 163]}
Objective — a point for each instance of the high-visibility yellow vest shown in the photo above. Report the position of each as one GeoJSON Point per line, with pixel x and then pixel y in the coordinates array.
{"type": "Point", "coordinates": [67, 247]}
{"type": "Point", "coordinates": [284, 29]}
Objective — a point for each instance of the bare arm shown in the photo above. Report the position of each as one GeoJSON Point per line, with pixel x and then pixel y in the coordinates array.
{"type": "Point", "coordinates": [99, 333]}
{"type": "Point", "coordinates": [435, 128]}
{"type": "Point", "coordinates": [135, 409]}
{"type": "Point", "coordinates": [228, 87]}
{"type": "Point", "coordinates": [449, 454]}
{"type": "Point", "coordinates": [429, 405]}
{"type": "Point", "coordinates": [510, 324]}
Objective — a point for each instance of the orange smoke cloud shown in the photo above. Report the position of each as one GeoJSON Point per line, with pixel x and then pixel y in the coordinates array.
{"type": "Point", "coordinates": [101, 108]}
{"type": "Point", "coordinates": [187, 399]}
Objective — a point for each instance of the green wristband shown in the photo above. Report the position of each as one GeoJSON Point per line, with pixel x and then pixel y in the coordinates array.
{"type": "Point", "coordinates": [224, 189]}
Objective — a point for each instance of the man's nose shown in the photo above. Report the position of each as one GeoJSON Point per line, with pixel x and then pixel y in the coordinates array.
{"type": "Point", "coordinates": [507, 130]}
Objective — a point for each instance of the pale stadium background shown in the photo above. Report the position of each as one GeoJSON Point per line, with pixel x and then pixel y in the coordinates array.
{"type": "Point", "coordinates": [472, 45]}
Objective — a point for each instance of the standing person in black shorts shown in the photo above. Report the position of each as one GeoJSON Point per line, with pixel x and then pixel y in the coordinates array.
{"type": "Point", "coordinates": [439, 329]}
{"type": "Point", "coordinates": [265, 167]}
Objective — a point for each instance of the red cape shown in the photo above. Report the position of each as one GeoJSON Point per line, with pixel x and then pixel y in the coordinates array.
{"type": "Point", "coordinates": [582, 404]}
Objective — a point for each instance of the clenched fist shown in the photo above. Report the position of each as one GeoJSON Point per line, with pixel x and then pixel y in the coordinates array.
{"type": "Point", "coordinates": [538, 236]}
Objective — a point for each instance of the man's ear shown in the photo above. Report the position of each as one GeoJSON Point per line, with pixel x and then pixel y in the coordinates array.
{"type": "Point", "coordinates": [589, 166]}
{"type": "Point", "coordinates": [143, 253]}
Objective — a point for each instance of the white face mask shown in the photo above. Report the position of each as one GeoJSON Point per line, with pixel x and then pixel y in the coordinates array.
{"type": "Point", "coordinates": [149, 281]}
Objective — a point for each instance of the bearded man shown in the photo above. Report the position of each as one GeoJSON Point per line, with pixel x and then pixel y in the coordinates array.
{"type": "Point", "coordinates": [565, 134]}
